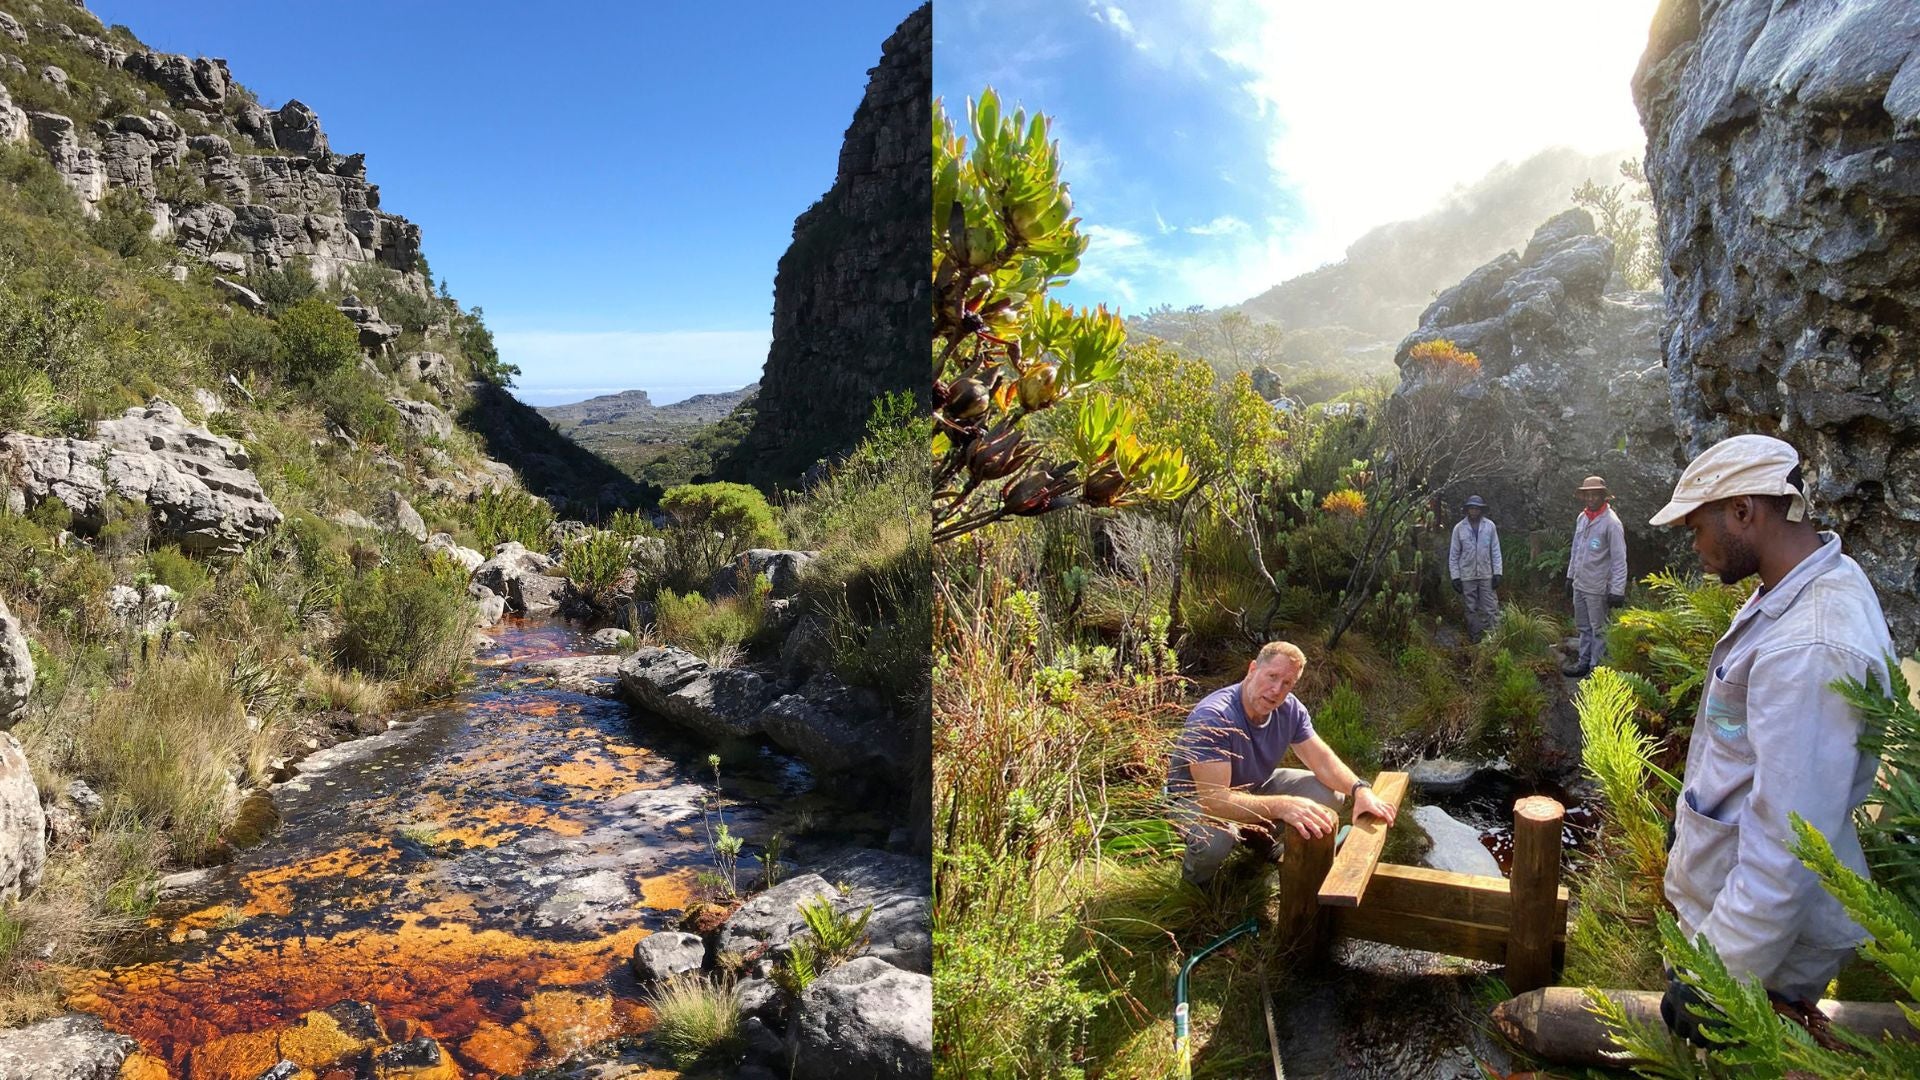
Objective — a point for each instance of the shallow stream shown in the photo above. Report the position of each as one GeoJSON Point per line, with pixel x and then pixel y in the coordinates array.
{"type": "Point", "coordinates": [478, 874]}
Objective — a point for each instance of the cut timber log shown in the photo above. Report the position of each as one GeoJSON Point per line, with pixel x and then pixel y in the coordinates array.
{"type": "Point", "coordinates": [1300, 923]}
{"type": "Point", "coordinates": [1360, 852]}
{"type": "Point", "coordinates": [1535, 882]}
{"type": "Point", "coordinates": [1554, 1024]}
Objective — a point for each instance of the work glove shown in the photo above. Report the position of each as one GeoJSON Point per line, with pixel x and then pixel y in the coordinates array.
{"type": "Point", "coordinates": [1497, 579]}
{"type": "Point", "coordinates": [1569, 590]}
{"type": "Point", "coordinates": [1615, 600]}
{"type": "Point", "coordinates": [1457, 587]}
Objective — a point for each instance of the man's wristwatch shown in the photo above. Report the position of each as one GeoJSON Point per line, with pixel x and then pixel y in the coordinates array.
{"type": "Point", "coordinates": [1357, 785]}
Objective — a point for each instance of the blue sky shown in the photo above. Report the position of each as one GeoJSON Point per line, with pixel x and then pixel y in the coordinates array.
{"type": "Point", "coordinates": [613, 183]}
{"type": "Point", "coordinates": [1218, 147]}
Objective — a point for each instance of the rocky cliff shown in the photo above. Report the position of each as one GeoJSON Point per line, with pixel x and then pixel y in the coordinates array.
{"type": "Point", "coordinates": [1783, 150]}
{"type": "Point", "coordinates": [851, 296]}
{"type": "Point", "coordinates": [1571, 367]}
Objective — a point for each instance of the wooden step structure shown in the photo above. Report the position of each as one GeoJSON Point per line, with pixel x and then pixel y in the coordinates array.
{"type": "Point", "coordinates": [1519, 921]}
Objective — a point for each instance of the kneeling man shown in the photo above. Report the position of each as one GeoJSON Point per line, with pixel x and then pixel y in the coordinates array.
{"type": "Point", "coordinates": [1226, 777]}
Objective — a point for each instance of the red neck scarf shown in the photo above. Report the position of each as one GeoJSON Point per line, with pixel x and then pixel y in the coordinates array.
{"type": "Point", "coordinates": [1594, 515]}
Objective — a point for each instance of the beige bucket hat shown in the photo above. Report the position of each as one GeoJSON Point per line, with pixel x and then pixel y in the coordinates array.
{"type": "Point", "coordinates": [1741, 465]}
{"type": "Point", "coordinates": [1592, 483]}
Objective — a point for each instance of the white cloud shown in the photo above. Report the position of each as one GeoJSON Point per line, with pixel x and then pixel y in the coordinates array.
{"type": "Point", "coordinates": [1224, 225]}
{"type": "Point", "coordinates": [1370, 112]}
{"type": "Point", "coordinates": [567, 365]}
{"type": "Point", "coordinates": [1376, 111]}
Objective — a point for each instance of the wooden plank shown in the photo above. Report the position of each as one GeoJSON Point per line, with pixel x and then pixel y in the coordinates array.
{"type": "Point", "coordinates": [1300, 922]}
{"type": "Point", "coordinates": [1410, 931]}
{"type": "Point", "coordinates": [1354, 864]}
{"type": "Point", "coordinates": [1445, 895]}
{"type": "Point", "coordinates": [1531, 928]}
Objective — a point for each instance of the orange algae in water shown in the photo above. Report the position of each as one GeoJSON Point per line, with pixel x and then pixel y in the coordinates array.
{"type": "Point", "coordinates": [453, 980]}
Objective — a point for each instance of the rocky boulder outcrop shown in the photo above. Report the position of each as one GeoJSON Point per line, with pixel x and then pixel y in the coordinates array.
{"type": "Point", "coordinates": [668, 953]}
{"type": "Point", "coordinates": [782, 568]}
{"type": "Point", "coordinates": [144, 609]}
{"type": "Point", "coordinates": [79, 166]}
{"type": "Point", "coordinates": [864, 1020]}
{"type": "Point", "coordinates": [199, 487]}
{"type": "Point", "coordinates": [443, 543]}
{"type": "Point", "coordinates": [23, 823]}
{"type": "Point", "coordinates": [841, 729]}
{"type": "Point", "coordinates": [1571, 373]}
{"type": "Point", "coordinates": [63, 1048]}
{"type": "Point", "coordinates": [198, 83]}
{"type": "Point", "coordinates": [851, 293]}
{"type": "Point", "coordinates": [425, 421]}
{"type": "Point", "coordinates": [16, 668]}
{"type": "Point", "coordinates": [716, 702]}
{"type": "Point", "coordinates": [1783, 150]}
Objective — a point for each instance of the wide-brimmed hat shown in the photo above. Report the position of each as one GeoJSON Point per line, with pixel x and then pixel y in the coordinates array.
{"type": "Point", "coordinates": [1473, 501]}
{"type": "Point", "coordinates": [1741, 465]}
{"type": "Point", "coordinates": [1593, 483]}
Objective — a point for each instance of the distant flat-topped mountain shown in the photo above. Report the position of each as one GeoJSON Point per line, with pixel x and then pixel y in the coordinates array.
{"type": "Point", "coordinates": [636, 407]}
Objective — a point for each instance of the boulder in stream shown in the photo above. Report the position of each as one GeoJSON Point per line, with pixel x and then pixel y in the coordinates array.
{"type": "Point", "coordinates": [64, 1048]}
{"type": "Point", "coordinates": [1456, 845]}
{"type": "Point", "coordinates": [717, 702]}
{"type": "Point", "coordinates": [864, 1019]}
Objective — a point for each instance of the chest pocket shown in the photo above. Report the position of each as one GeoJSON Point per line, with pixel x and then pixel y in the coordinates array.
{"type": "Point", "coordinates": [1593, 542]}
{"type": "Point", "coordinates": [1725, 716]}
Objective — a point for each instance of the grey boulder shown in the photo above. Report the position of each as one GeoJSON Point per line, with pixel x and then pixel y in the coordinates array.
{"type": "Point", "coordinates": [199, 487]}
{"type": "Point", "coordinates": [72, 1047]}
{"type": "Point", "coordinates": [678, 685]}
{"type": "Point", "coordinates": [864, 1020]}
{"type": "Point", "coordinates": [23, 824]}
{"type": "Point", "coordinates": [667, 953]}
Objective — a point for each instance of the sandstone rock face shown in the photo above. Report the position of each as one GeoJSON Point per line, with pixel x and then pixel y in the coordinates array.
{"type": "Point", "coordinates": [23, 824]}
{"type": "Point", "coordinates": [537, 594]}
{"type": "Point", "coordinates": [197, 83]}
{"type": "Point", "coordinates": [199, 487]}
{"type": "Point", "coordinates": [1574, 372]}
{"type": "Point", "coordinates": [297, 127]}
{"type": "Point", "coordinates": [900, 891]}
{"type": "Point", "coordinates": [79, 166]}
{"type": "Point", "coordinates": [63, 1048]}
{"type": "Point", "coordinates": [510, 561]}
{"type": "Point", "coordinates": [396, 513]}
{"type": "Point", "coordinates": [718, 703]}
{"type": "Point", "coordinates": [864, 1020]}
{"type": "Point", "coordinates": [16, 668]}
{"type": "Point", "coordinates": [851, 295]}
{"type": "Point", "coordinates": [13, 120]}
{"type": "Point", "coordinates": [146, 609]}
{"type": "Point", "coordinates": [431, 368]}
{"type": "Point", "coordinates": [424, 420]}
{"type": "Point", "coordinates": [1788, 190]}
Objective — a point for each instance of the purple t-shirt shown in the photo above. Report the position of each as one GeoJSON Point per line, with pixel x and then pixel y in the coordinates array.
{"type": "Point", "coordinates": [1218, 730]}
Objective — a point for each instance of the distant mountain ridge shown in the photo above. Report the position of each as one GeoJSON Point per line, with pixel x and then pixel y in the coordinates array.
{"type": "Point", "coordinates": [637, 407]}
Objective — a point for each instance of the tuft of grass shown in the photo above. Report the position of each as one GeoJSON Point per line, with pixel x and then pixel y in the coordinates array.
{"type": "Point", "coordinates": [344, 691]}
{"type": "Point", "coordinates": [1342, 721]}
{"type": "Point", "coordinates": [696, 1021]}
{"type": "Point", "coordinates": [1527, 633]}
{"type": "Point", "coordinates": [170, 746]}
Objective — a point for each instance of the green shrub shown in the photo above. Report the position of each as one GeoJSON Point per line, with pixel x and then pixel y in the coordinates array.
{"type": "Point", "coordinates": [595, 561]}
{"type": "Point", "coordinates": [1342, 722]}
{"type": "Point", "coordinates": [125, 226]}
{"type": "Point", "coordinates": [712, 524]}
{"type": "Point", "coordinates": [315, 341]}
{"type": "Point", "coordinates": [708, 627]}
{"type": "Point", "coordinates": [286, 286]}
{"type": "Point", "coordinates": [695, 1021]}
{"type": "Point", "coordinates": [357, 401]}
{"type": "Point", "coordinates": [499, 516]}
{"type": "Point", "coordinates": [1523, 632]}
{"type": "Point", "coordinates": [405, 622]}
{"type": "Point", "coordinates": [178, 571]}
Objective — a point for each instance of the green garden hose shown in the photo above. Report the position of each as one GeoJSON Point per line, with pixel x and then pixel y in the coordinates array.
{"type": "Point", "coordinates": [1182, 1044]}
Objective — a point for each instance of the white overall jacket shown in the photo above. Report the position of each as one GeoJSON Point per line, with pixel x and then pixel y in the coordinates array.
{"type": "Point", "coordinates": [1772, 738]}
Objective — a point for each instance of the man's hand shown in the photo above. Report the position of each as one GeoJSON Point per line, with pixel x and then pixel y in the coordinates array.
{"type": "Point", "coordinates": [1457, 587]}
{"type": "Point", "coordinates": [1366, 802]}
{"type": "Point", "coordinates": [1615, 600]}
{"type": "Point", "coordinates": [1307, 817]}
{"type": "Point", "coordinates": [1497, 579]}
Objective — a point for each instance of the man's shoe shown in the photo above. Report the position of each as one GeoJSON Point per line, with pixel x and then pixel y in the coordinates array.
{"type": "Point", "coordinates": [1573, 671]}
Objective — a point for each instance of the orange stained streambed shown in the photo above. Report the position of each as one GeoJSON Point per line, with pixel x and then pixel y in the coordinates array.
{"type": "Point", "coordinates": [478, 875]}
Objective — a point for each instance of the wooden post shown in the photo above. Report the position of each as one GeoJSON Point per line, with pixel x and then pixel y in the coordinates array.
{"type": "Point", "coordinates": [1301, 924]}
{"type": "Point", "coordinates": [1535, 887]}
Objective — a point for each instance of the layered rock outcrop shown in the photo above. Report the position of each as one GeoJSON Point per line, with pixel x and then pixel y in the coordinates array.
{"type": "Point", "coordinates": [198, 487]}
{"type": "Point", "coordinates": [1574, 371]}
{"type": "Point", "coordinates": [1783, 151]}
{"type": "Point", "coordinates": [850, 298]}
{"type": "Point", "coordinates": [23, 823]}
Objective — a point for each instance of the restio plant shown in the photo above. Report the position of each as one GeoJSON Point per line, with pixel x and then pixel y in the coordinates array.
{"type": "Point", "coordinates": [1003, 235]}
